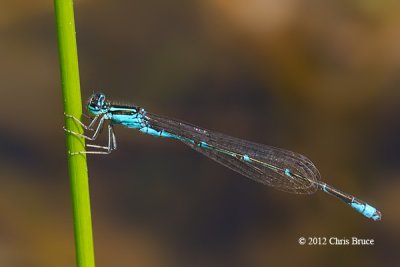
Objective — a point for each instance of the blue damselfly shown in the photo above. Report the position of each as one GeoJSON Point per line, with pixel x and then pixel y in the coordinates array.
{"type": "Point", "coordinates": [282, 169]}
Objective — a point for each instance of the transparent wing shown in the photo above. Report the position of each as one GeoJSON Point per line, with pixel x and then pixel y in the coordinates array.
{"type": "Point", "coordinates": [264, 164]}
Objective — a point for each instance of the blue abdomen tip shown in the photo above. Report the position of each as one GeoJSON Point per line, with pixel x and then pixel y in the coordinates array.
{"type": "Point", "coordinates": [367, 210]}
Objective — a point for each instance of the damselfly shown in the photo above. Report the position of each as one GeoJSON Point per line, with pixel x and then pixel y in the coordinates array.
{"type": "Point", "coordinates": [282, 169]}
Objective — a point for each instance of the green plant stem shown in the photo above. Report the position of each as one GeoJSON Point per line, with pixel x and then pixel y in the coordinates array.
{"type": "Point", "coordinates": [77, 166]}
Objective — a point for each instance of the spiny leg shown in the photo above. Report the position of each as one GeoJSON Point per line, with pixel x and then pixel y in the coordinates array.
{"type": "Point", "coordinates": [112, 145]}
{"type": "Point", "coordinates": [96, 133]}
{"type": "Point", "coordinates": [87, 127]}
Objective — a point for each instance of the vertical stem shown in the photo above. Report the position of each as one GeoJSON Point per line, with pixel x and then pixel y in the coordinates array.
{"type": "Point", "coordinates": [77, 166]}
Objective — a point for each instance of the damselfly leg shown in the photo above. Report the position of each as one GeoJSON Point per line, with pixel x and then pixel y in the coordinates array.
{"type": "Point", "coordinates": [112, 141]}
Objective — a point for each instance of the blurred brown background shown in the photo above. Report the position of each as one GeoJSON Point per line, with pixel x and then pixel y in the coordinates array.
{"type": "Point", "coordinates": [317, 77]}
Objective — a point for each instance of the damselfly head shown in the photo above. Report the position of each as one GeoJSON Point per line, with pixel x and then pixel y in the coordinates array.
{"type": "Point", "coordinates": [97, 104]}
